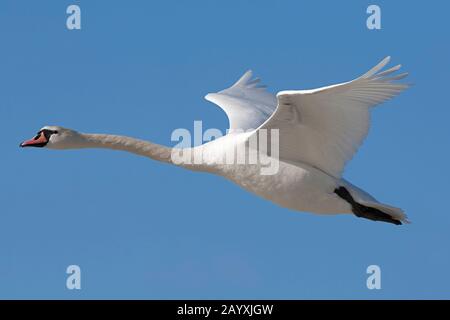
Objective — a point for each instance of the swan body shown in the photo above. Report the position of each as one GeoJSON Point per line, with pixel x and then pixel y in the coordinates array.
{"type": "Point", "coordinates": [296, 185]}
{"type": "Point", "coordinates": [314, 133]}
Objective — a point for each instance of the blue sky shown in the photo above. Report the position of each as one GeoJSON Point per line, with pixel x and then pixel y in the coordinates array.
{"type": "Point", "coordinates": [141, 229]}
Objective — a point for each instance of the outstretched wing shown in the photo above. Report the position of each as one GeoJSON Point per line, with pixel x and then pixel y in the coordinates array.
{"type": "Point", "coordinates": [324, 127]}
{"type": "Point", "coordinates": [246, 103]}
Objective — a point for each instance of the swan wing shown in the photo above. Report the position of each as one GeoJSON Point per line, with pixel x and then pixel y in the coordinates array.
{"type": "Point", "coordinates": [246, 103]}
{"type": "Point", "coordinates": [324, 127]}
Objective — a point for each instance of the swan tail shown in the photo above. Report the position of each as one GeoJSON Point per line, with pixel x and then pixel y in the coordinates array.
{"type": "Point", "coordinates": [373, 210]}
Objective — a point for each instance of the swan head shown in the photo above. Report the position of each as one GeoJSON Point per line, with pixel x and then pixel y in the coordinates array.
{"type": "Point", "coordinates": [53, 137]}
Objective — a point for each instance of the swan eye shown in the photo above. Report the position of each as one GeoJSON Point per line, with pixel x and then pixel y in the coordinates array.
{"type": "Point", "coordinates": [47, 133]}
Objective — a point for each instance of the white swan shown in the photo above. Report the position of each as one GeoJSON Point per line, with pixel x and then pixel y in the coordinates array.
{"type": "Point", "coordinates": [318, 130]}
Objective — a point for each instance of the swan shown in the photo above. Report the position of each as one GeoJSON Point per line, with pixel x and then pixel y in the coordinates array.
{"type": "Point", "coordinates": [316, 133]}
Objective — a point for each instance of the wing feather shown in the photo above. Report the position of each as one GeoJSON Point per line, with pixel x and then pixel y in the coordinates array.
{"type": "Point", "coordinates": [331, 121]}
{"type": "Point", "coordinates": [246, 103]}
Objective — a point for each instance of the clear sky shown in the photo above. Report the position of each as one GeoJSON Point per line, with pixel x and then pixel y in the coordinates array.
{"type": "Point", "coordinates": [142, 229]}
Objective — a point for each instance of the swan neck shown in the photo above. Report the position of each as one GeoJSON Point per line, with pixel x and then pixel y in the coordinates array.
{"type": "Point", "coordinates": [136, 146]}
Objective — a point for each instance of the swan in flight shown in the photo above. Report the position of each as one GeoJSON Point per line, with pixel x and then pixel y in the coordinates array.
{"type": "Point", "coordinates": [313, 133]}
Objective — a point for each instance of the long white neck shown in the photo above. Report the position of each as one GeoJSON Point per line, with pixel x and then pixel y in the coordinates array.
{"type": "Point", "coordinates": [184, 157]}
{"type": "Point", "coordinates": [115, 142]}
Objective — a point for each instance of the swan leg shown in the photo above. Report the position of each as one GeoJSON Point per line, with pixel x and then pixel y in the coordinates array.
{"type": "Point", "coordinates": [363, 211]}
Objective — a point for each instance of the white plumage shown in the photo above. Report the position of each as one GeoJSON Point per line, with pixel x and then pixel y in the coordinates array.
{"type": "Point", "coordinates": [246, 103]}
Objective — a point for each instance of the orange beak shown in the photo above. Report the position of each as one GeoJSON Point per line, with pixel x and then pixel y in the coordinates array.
{"type": "Point", "coordinates": [39, 141]}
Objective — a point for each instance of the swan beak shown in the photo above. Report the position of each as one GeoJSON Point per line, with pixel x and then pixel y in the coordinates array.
{"type": "Point", "coordinates": [39, 141]}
